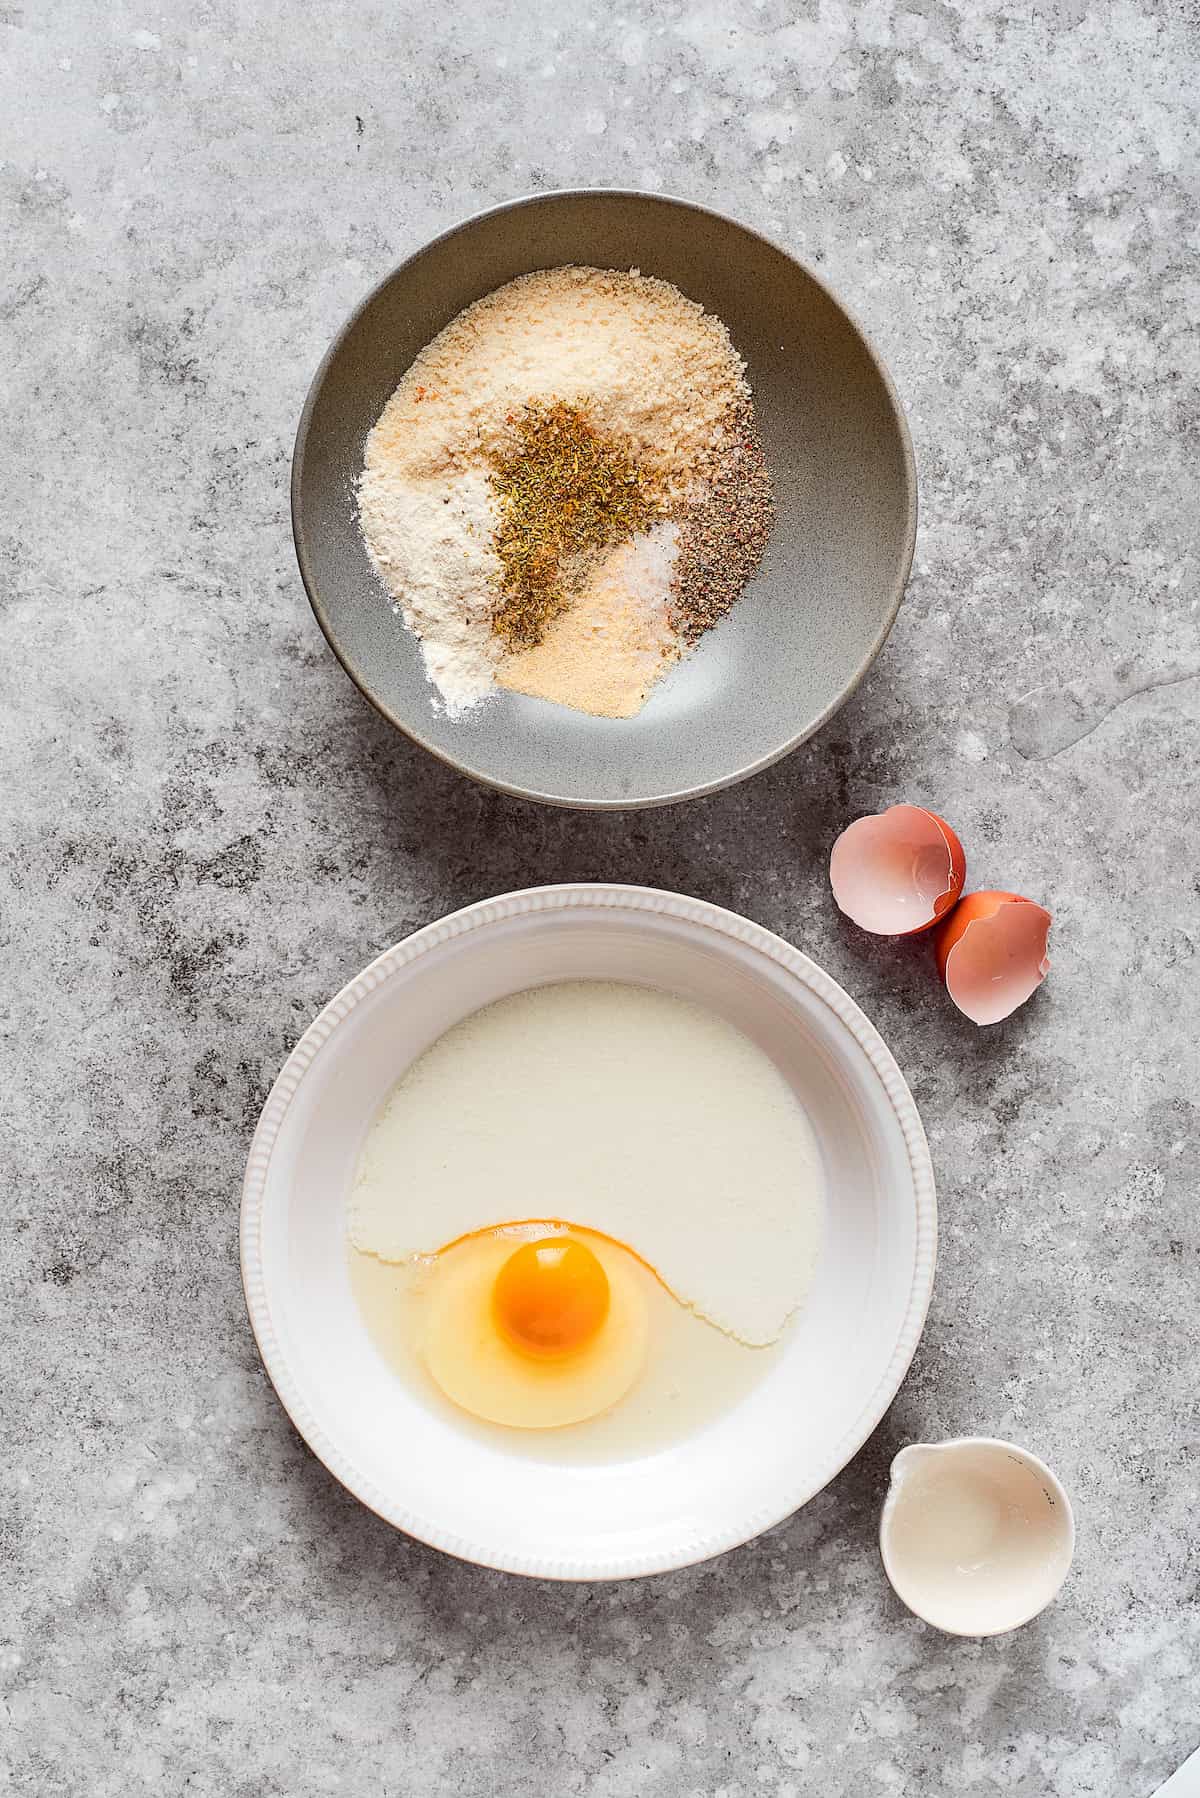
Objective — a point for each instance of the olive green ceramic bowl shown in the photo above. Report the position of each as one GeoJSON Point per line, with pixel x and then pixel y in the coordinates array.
{"type": "Point", "coordinates": [807, 628]}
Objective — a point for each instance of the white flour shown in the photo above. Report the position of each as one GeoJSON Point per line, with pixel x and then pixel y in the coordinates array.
{"type": "Point", "coordinates": [431, 541]}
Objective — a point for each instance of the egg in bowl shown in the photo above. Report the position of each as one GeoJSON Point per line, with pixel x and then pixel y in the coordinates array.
{"type": "Point", "coordinates": [696, 1206]}
{"type": "Point", "coordinates": [539, 1332]}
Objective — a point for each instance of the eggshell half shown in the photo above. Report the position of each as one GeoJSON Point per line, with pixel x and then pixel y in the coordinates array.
{"type": "Point", "coordinates": [991, 953]}
{"type": "Point", "coordinates": [896, 872]}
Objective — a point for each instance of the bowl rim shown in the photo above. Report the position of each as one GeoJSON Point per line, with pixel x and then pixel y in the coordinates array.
{"type": "Point", "coordinates": [457, 762]}
{"type": "Point", "coordinates": [549, 900]}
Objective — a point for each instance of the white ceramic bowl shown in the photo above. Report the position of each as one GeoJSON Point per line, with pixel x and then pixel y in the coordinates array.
{"type": "Point", "coordinates": [843, 1361]}
{"type": "Point", "coordinates": [977, 1535]}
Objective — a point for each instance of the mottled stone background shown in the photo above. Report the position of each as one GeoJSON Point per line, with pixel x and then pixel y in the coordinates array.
{"type": "Point", "coordinates": [206, 831]}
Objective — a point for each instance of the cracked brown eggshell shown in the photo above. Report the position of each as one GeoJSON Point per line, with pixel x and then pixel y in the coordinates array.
{"type": "Point", "coordinates": [897, 872]}
{"type": "Point", "coordinates": [991, 953]}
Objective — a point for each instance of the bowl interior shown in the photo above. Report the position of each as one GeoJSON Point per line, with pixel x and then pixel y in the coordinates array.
{"type": "Point", "coordinates": [743, 1471]}
{"type": "Point", "coordinates": [836, 444]}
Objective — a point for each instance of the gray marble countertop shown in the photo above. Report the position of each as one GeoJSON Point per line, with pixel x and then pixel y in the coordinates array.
{"type": "Point", "coordinates": [205, 832]}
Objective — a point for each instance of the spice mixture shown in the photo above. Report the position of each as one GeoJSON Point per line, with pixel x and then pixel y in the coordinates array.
{"type": "Point", "coordinates": [564, 493]}
{"type": "Point", "coordinates": [567, 490]}
{"type": "Point", "coordinates": [610, 647]}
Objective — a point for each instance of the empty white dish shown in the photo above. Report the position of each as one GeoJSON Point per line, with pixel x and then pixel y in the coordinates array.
{"type": "Point", "coordinates": [843, 1358]}
{"type": "Point", "coordinates": [977, 1535]}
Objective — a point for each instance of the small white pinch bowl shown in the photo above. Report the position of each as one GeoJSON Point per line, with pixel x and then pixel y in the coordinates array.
{"type": "Point", "coordinates": [977, 1535]}
{"type": "Point", "coordinates": [816, 1403]}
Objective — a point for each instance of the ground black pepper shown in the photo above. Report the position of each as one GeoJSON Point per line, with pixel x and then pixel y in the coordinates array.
{"type": "Point", "coordinates": [722, 537]}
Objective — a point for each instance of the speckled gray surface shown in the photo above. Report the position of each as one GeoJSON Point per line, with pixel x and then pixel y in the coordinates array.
{"type": "Point", "coordinates": [206, 831]}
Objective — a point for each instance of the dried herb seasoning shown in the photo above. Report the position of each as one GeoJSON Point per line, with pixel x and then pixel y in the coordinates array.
{"type": "Point", "coordinates": [565, 492]}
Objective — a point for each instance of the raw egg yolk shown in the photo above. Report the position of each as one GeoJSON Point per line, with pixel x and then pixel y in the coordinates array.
{"type": "Point", "coordinates": [550, 1297]}
{"type": "Point", "coordinates": [540, 1333]}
